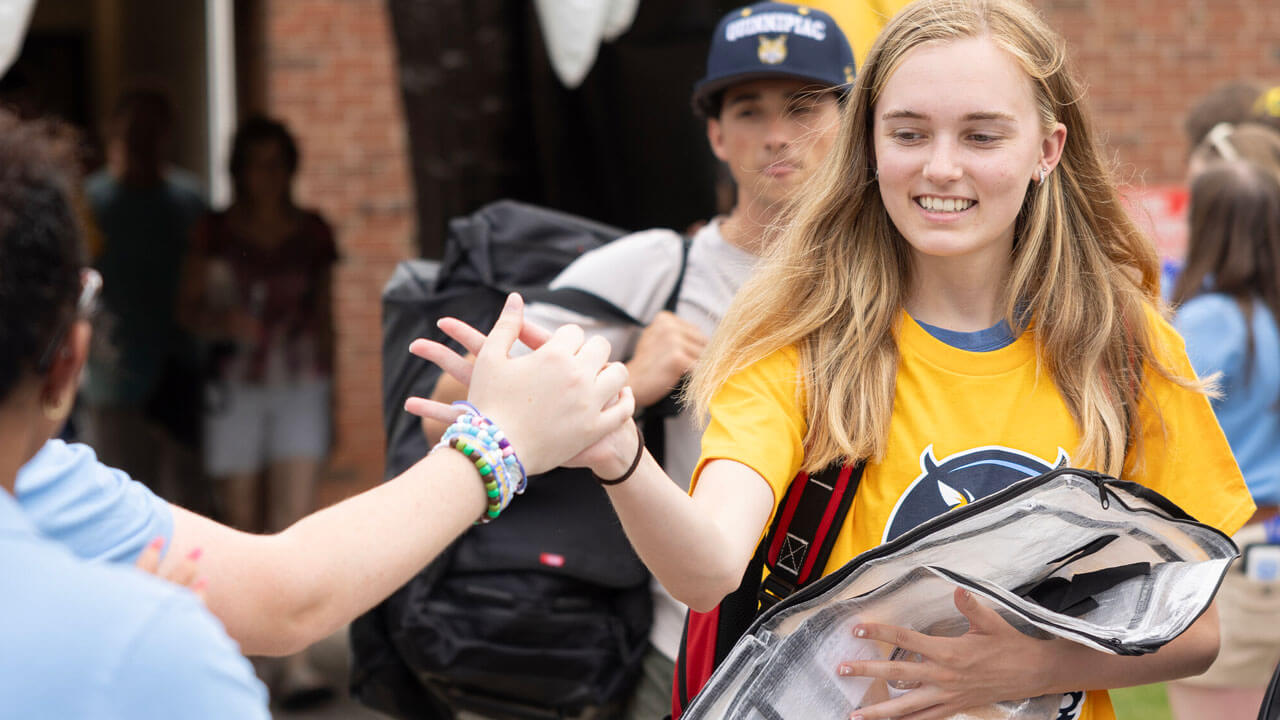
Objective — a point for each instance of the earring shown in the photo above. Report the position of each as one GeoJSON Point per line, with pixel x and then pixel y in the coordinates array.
{"type": "Point", "coordinates": [58, 411]}
{"type": "Point", "coordinates": [1044, 172]}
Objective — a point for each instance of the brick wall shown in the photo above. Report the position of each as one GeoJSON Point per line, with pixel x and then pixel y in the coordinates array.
{"type": "Point", "coordinates": [330, 73]}
{"type": "Point", "coordinates": [1147, 61]}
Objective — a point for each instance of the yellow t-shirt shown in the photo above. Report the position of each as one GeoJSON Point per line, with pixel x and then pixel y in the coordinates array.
{"type": "Point", "coordinates": [966, 424]}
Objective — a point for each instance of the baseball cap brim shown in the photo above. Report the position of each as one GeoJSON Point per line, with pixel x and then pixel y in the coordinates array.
{"type": "Point", "coordinates": [704, 91]}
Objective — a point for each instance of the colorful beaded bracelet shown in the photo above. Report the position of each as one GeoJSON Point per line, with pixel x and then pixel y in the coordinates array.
{"type": "Point", "coordinates": [493, 483]}
{"type": "Point", "coordinates": [505, 444]}
{"type": "Point", "coordinates": [481, 441]}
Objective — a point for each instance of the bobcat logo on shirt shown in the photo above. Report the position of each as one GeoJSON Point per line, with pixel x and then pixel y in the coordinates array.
{"type": "Point", "coordinates": [772, 50]}
{"type": "Point", "coordinates": [960, 479]}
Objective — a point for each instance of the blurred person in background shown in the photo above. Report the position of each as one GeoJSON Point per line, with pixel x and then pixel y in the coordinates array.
{"type": "Point", "coordinates": [1228, 301]}
{"type": "Point", "coordinates": [1250, 141]}
{"type": "Point", "coordinates": [257, 289]}
{"type": "Point", "coordinates": [141, 395]}
{"type": "Point", "coordinates": [1231, 102]}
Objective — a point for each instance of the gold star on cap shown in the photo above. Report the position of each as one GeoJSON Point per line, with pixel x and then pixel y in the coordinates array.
{"type": "Point", "coordinates": [803, 10]}
{"type": "Point", "coordinates": [746, 12]}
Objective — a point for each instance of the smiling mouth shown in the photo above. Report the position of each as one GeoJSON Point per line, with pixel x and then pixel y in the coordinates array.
{"type": "Point", "coordinates": [939, 204]}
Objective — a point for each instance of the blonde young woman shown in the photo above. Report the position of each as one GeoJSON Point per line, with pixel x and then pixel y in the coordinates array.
{"type": "Point", "coordinates": [960, 301]}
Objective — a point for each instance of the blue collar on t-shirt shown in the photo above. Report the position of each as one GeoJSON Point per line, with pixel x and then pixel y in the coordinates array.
{"type": "Point", "coordinates": [993, 338]}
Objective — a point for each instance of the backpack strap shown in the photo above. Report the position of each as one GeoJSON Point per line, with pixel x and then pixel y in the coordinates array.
{"type": "Point", "coordinates": [585, 302]}
{"type": "Point", "coordinates": [655, 426]}
{"type": "Point", "coordinates": [794, 551]}
{"type": "Point", "coordinates": [579, 301]}
{"type": "Point", "coordinates": [805, 528]}
{"type": "Point", "coordinates": [685, 242]}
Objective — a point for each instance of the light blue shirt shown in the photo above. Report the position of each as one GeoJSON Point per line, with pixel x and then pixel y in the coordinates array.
{"type": "Point", "coordinates": [81, 639]}
{"type": "Point", "coordinates": [1217, 341]}
{"type": "Point", "coordinates": [96, 512]}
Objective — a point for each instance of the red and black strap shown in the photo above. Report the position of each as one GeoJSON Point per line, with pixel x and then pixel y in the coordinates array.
{"type": "Point", "coordinates": [795, 552]}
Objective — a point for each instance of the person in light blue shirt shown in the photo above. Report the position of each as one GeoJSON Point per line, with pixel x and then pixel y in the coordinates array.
{"type": "Point", "coordinates": [80, 639]}
{"type": "Point", "coordinates": [87, 640]}
{"type": "Point", "coordinates": [1228, 299]}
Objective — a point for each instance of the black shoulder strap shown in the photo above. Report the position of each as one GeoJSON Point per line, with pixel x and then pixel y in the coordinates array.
{"type": "Point", "coordinates": [580, 301]}
{"type": "Point", "coordinates": [655, 426]}
{"type": "Point", "coordinates": [685, 243]}
{"type": "Point", "coordinates": [590, 304]}
{"type": "Point", "coordinates": [804, 529]}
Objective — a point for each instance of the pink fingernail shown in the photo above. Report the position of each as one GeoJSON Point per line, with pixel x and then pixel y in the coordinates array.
{"type": "Point", "coordinates": [860, 632]}
{"type": "Point", "coordinates": [844, 671]}
{"type": "Point", "coordinates": [156, 543]}
{"type": "Point", "coordinates": [195, 554]}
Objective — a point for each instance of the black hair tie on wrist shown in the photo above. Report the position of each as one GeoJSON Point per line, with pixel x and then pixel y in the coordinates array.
{"type": "Point", "coordinates": [635, 463]}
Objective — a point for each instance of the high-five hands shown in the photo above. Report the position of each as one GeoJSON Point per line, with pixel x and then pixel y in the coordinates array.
{"type": "Point", "coordinates": [552, 403]}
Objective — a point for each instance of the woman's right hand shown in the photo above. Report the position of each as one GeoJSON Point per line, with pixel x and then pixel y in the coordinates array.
{"type": "Point", "coordinates": [553, 403]}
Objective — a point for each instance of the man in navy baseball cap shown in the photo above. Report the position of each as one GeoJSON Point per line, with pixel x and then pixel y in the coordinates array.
{"type": "Point", "coordinates": [774, 40]}
{"type": "Point", "coordinates": [776, 75]}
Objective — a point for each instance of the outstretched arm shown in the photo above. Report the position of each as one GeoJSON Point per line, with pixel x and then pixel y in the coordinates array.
{"type": "Point", "coordinates": [276, 594]}
{"type": "Point", "coordinates": [697, 545]}
{"type": "Point", "coordinates": [279, 593]}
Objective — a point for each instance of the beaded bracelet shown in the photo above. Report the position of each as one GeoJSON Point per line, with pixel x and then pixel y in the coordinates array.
{"type": "Point", "coordinates": [483, 451]}
{"type": "Point", "coordinates": [494, 484]}
{"type": "Point", "coordinates": [483, 424]}
{"type": "Point", "coordinates": [480, 440]}
{"type": "Point", "coordinates": [505, 444]}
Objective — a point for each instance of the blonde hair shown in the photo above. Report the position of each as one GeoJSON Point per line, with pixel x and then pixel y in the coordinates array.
{"type": "Point", "coordinates": [835, 278]}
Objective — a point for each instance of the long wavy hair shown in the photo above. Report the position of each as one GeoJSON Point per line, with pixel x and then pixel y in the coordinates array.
{"type": "Point", "coordinates": [835, 278]}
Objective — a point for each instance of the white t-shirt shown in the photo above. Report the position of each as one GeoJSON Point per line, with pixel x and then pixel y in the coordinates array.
{"type": "Point", "coordinates": [637, 273]}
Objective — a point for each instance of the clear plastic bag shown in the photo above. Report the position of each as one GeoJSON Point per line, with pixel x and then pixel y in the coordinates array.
{"type": "Point", "coordinates": [1071, 553]}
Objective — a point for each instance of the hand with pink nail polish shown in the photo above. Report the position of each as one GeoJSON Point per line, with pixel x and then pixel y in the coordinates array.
{"type": "Point", "coordinates": [181, 571]}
